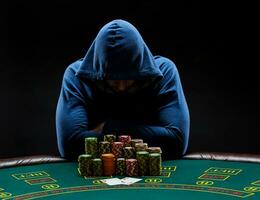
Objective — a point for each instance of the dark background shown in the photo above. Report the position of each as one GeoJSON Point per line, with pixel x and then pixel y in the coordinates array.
{"type": "Point", "coordinates": [210, 44]}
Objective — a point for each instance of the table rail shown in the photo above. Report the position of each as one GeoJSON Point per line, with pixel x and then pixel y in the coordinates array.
{"type": "Point", "coordinates": [41, 159]}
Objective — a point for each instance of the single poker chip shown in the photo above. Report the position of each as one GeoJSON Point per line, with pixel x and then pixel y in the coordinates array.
{"type": "Point", "coordinates": [91, 146]}
{"type": "Point", "coordinates": [154, 150]}
{"type": "Point", "coordinates": [85, 164]}
{"type": "Point", "coordinates": [142, 158]}
{"type": "Point", "coordinates": [108, 156]}
{"type": "Point", "coordinates": [131, 167]}
{"type": "Point", "coordinates": [126, 139]}
{"type": "Point", "coordinates": [155, 163]}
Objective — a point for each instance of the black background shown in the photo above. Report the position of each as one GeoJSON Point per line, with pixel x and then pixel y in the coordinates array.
{"type": "Point", "coordinates": [212, 46]}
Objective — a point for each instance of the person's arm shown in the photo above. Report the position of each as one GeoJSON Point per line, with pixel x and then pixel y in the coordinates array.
{"type": "Point", "coordinates": [169, 127]}
{"type": "Point", "coordinates": [72, 118]}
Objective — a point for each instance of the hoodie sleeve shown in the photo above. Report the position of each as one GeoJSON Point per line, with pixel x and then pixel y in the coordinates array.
{"type": "Point", "coordinates": [170, 129]}
{"type": "Point", "coordinates": [72, 117]}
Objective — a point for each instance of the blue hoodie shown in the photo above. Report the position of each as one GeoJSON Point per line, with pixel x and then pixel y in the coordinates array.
{"type": "Point", "coordinates": [155, 110]}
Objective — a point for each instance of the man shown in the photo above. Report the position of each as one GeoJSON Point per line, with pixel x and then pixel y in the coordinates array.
{"type": "Point", "coordinates": [119, 87]}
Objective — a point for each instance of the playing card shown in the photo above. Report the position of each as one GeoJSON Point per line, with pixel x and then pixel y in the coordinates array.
{"type": "Point", "coordinates": [112, 181]}
{"type": "Point", "coordinates": [129, 180]}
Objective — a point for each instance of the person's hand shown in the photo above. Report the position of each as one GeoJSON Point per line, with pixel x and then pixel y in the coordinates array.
{"type": "Point", "coordinates": [99, 127]}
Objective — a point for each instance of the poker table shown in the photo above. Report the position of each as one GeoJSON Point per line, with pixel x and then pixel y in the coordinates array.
{"type": "Point", "coordinates": [195, 176]}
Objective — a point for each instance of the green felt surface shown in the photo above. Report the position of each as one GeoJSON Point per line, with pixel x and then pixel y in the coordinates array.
{"type": "Point", "coordinates": [180, 179]}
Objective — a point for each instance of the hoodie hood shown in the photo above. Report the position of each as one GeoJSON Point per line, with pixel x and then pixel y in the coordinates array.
{"type": "Point", "coordinates": [118, 53]}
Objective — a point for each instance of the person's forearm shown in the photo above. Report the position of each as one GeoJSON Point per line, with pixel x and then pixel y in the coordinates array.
{"type": "Point", "coordinates": [99, 128]}
{"type": "Point", "coordinates": [169, 139]}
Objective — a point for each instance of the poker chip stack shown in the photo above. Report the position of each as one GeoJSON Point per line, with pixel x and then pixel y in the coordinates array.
{"type": "Point", "coordinates": [104, 147]}
{"type": "Point", "coordinates": [91, 146]}
{"type": "Point", "coordinates": [110, 138]}
{"type": "Point", "coordinates": [120, 166]}
{"type": "Point", "coordinates": [85, 165]}
{"type": "Point", "coordinates": [131, 167]}
{"type": "Point", "coordinates": [142, 158]}
{"type": "Point", "coordinates": [97, 167]}
{"type": "Point", "coordinates": [117, 149]}
{"type": "Point", "coordinates": [108, 164]}
{"type": "Point", "coordinates": [127, 156]}
{"type": "Point", "coordinates": [155, 164]}
{"type": "Point", "coordinates": [129, 152]}
{"type": "Point", "coordinates": [125, 139]}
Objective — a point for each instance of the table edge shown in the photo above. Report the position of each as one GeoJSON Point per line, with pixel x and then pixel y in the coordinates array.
{"type": "Point", "coordinates": [43, 159]}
